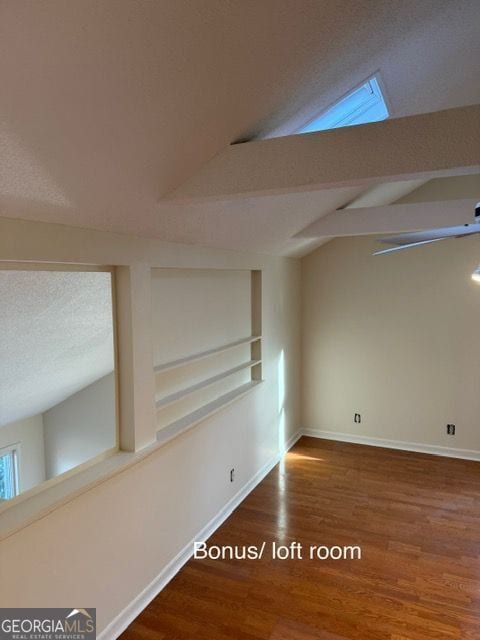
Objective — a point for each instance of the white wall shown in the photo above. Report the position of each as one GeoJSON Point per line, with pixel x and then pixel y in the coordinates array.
{"type": "Point", "coordinates": [115, 538]}
{"type": "Point", "coordinates": [194, 310]}
{"type": "Point", "coordinates": [394, 338]}
{"type": "Point", "coordinates": [81, 427]}
{"type": "Point", "coordinates": [29, 434]}
{"type": "Point", "coordinates": [198, 309]}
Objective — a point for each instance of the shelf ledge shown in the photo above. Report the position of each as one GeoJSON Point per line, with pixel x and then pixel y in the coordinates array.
{"type": "Point", "coordinates": [167, 366]}
{"type": "Point", "coordinates": [174, 429]}
{"type": "Point", "coordinates": [178, 395]}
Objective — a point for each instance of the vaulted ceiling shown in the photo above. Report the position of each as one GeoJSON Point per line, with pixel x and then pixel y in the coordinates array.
{"type": "Point", "coordinates": [109, 106]}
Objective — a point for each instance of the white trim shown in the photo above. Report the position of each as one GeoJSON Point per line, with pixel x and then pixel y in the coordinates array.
{"type": "Point", "coordinates": [166, 401]}
{"type": "Point", "coordinates": [345, 120]}
{"type": "Point", "coordinates": [37, 502]}
{"type": "Point", "coordinates": [32, 265]}
{"type": "Point", "coordinates": [436, 450]}
{"type": "Point", "coordinates": [174, 429]}
{"type": "Point", "coordinates": [132, 610]}
{"type": "Point", "coordinates": [311, 111]}
{"type": "Point", "coordinates": [290, 442]}
{"type": "Point", "coordinates": [14, 450]}
{"type": "Point", "coordinates": [168, 366]}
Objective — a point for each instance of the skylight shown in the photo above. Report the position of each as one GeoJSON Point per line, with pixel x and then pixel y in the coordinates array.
{"type": "Point", "coordinates": [364, 104]}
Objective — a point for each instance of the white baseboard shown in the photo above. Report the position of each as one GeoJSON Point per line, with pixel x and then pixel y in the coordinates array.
{"type": "Point", "coordinates": [128, 615]}
{"type": "Point", "coordinates": [291, 441]}
{"type": "Point", "coordinates": [449, 452]}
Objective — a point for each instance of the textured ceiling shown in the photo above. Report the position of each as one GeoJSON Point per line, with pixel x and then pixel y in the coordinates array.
{"type": "Point", "coordinates": [107, 105]}
{"type": "Point", "coordinates": [56, 338]}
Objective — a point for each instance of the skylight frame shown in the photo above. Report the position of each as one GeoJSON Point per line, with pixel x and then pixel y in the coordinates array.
{"type": "Point", "coordinates": [343, 114]}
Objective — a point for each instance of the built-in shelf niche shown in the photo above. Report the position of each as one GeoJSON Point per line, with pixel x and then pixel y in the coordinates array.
{"type": "Point", "coordinates": [192, 387]}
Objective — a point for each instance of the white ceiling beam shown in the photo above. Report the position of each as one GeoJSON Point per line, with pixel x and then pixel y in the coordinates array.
{"type": "Point", "coordinates": [422, 146]}
{"type": "Point", "coordinates": [384, 193]}
{"type": "Point", "coordinates": [391, 219]}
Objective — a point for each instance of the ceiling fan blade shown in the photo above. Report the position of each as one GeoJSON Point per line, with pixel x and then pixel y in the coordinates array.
{"type": "Point", "coordinates": [417, 238]}
{"type": "Point", "coordinates": [431, 234]}
{"type": "Point", "coordinates": [408, 246]}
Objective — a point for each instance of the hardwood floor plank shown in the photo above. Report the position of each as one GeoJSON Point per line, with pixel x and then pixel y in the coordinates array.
{"type": "Point", "coordinates": [415, 516]}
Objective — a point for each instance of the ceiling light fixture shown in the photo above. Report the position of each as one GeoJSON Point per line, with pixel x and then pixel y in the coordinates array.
{"type": "Point", "coordinates": [476, 274]}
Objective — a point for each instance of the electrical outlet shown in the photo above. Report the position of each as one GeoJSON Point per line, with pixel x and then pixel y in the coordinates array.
{"type": "Point", "coordinates": [232, 475]}
{"type": "Point", "coordinates": [450, 429]}
{"type": "Point", "coordinates": [357, 418]}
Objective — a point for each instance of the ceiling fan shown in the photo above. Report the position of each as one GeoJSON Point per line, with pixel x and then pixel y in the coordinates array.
{"type": "Point", "coordinates": [417, 238]}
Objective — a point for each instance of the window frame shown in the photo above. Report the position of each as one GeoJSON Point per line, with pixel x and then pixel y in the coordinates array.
{"type": "Point", "coordinates": [377, 89]}
{"type": "Point", "coordinates": [311, 111]}
{"type": "Point", "coordinates": [14, 451]}
{"type": "Point", "coordinates": [10, 265]}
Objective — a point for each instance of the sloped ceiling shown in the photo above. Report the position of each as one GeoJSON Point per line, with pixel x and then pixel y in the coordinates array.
{"type": "Point", "coordinates": [108, 105]}
{"type": "Point", "coordinates": [56, 338]}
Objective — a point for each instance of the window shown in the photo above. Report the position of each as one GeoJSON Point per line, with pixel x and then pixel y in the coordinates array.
{"type": "Point", "coordinates": [364, 104]}
{"type": "Point", "coordinates": [57, 372]}
{"type": "Point", "coordinates": [8, 473]}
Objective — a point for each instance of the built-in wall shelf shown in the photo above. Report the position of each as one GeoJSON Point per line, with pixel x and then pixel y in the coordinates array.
{"type": "Point", "coordinates": [168, 366]}
{"type": "Point", "coordinates": [205, 304]}
{"type": "Point", "coordinates": [185, 423]}
{"type": "Point", "coordinates": [178, 395]}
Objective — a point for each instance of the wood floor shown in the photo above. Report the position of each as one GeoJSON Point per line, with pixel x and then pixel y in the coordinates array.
{"type": "Point", "coordinates": [416, 518]}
